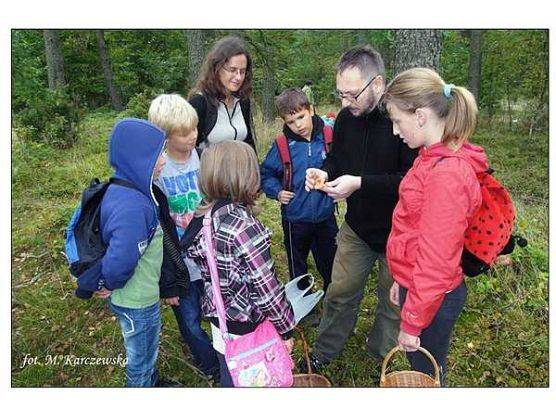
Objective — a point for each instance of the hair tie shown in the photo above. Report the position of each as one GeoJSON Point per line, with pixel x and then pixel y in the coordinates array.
{"type": "Point", "coordinates": [448, 90]}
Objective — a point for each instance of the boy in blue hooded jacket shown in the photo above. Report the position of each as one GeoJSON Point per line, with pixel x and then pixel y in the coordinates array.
{"type": "Point", "coordinates": [129, 272]}
{"type": "Point", "coordinates": [307, 217]}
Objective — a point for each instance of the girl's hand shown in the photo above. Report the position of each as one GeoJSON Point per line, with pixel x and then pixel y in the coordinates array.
{"type": "Point", "coordinates": [289, 344]}
{"type": "Point", "coordinates": [395, 294]}
{"type": "Point", "coordinates": [408, 342]}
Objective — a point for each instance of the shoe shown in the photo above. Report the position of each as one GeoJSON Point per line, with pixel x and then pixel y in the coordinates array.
{"type": "Point", "coordinates": [316, 365]}
{"type": "Point", "coordinates": [166, 382]}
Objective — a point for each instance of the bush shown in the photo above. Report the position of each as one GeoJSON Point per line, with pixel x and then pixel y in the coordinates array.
{"type": "Point", "coordinates": [50, 117]}
{"type": "Point", "coordinates": [138, 105]}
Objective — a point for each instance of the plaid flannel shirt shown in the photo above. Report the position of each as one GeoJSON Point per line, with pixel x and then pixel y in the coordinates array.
{"type": "Point", "coordinates": [250, 288]}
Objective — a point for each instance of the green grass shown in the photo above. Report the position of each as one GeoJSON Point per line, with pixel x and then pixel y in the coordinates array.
{"type": "Point", "coordinates": [500, 340]}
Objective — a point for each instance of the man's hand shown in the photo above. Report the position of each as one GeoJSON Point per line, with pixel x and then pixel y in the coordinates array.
{"type": "Point", "coordinates": [315, 178]}
{"type": "Point", "coordinates": [284, 196]}
{"type": "Point", "coordinates": [103, 293]}
{"type": "Point", "coordinates": [342, 187]}
{"type": "Point", "coordinates": [408, 342]}
{"type": "Point", "coordinates": [395, 294]}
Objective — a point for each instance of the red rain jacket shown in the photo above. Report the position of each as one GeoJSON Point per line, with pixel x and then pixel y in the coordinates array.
{"type": "Point", "coordinates": [438, 197]}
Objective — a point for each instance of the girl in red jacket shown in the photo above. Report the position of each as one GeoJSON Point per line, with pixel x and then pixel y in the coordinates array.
{"type": "Point", "coordinates": [437, 198]}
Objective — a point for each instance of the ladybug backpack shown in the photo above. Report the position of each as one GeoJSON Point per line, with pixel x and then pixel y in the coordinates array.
{"type": "Point", "coordinates": [284, 151]}
{"type": "Point", "coordinates": [489, 233]}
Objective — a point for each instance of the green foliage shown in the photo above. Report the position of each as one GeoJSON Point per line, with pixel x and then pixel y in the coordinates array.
{"type": "Point", "coordinates": [515, 76]}
{"type": "Point", "coordinates": [49, 117]}
{"type": "Point", "coordinates": [514, 73]}
{"type": "Point", "coordinates": [28, 67]}
{"type": "Point", "coordinates": [138, 105]}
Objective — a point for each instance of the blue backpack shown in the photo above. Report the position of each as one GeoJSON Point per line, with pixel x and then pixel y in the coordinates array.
{"type": "Point", "coordinates": [84, 245]}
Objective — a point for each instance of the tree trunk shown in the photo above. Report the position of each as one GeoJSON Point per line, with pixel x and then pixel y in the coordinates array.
{"type": "Point", "coordinates": [417, 48]}
{"type": "Point", "coordinates": [269, 87]}
{"type": "Point", "coordinates": [266, 54]}
{"type": "Point", "coordinates": [196, 53]}
{"type": "Point", "coordinates": [107, 71]}
{"type": "Point", "coordinates": [347, 37]}
{"type": "Point", "coordinates": [360, 37]}
{"type": "Point", "coordinates": [54, 60]}
{"type": "Point", "coordinates": [475, 56]}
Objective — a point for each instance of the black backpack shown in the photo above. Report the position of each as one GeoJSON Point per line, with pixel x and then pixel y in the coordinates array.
{"type": "Point", "coordinates": [84, 245]}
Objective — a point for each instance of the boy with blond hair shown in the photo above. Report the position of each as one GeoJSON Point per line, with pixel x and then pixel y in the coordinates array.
{"type": "Point", "coordinates": [182, 287]}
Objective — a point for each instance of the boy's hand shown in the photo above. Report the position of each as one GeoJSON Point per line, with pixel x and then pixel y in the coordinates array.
{"type": "Point", "coordinates": [173, 301]}
{"type": "Point", "coordinates": [103, 293]}
{"type": "Point", "coordinates": [284, 196]}
{"type": "Point", "coordinates": [315, 178]}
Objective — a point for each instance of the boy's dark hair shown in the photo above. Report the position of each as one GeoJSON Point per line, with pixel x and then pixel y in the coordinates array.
{"type": "Point", "coordinates": [291, 101]}
{"type": "Point", "coordinates": [365, 58]}
{"type": "Point", "coordinates": [309, 83]}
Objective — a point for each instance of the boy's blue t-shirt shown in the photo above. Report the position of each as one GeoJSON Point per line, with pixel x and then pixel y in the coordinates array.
{"type": "Point", "coordinates": [179, 182]}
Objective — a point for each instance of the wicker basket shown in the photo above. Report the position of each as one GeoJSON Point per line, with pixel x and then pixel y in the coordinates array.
{"type": "Point", "coordinates": [409, 379]}
{"type": "Point", "coordinates": [309, 379]}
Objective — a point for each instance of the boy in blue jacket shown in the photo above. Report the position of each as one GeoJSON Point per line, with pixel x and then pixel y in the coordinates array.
{"type": "Point", "coordinates": [129, 272]}
{"type": "Point", "coordinates": [307, 217]}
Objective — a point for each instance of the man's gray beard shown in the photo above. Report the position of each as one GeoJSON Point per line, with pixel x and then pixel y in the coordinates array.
{"type": "Point", "coordinates": [374, 104]}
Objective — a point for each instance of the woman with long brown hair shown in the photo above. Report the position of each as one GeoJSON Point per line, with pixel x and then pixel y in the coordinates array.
{"type": "Point", "coordinates": [222, 93]}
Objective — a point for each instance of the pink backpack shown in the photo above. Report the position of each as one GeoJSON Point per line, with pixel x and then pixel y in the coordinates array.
{"type": "Point", "coordinates": [256, 359]}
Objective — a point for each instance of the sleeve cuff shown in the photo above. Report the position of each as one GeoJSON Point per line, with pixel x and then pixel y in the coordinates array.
{"type": "Point", "coordinates": [167, 292]}
{"type": "Point", "coordinates": [287, 335]}
{"type": "Point", "coordinates": [411, 329]}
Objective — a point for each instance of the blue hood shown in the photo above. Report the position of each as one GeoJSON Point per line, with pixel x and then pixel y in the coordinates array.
{"type": "Point", "coordinates": [135, 145]}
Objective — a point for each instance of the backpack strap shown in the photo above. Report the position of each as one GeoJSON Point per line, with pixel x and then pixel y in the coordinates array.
{"type": "Point", "coordinates": [328, 134]}
{"type": "Point", "coordinates": [122, 182]}
{"type": "Point", "coordinates": [284, 151]}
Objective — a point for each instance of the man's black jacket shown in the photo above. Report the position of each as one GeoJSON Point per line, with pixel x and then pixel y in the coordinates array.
{"type": "Point", "coordinates": [365, 146]}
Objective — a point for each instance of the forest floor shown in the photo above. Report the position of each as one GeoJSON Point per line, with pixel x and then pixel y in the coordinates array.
{"type": "Point", "coordinates": [501, 339]}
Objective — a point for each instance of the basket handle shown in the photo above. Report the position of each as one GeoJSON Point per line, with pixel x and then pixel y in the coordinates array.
{"type": "Point", "coordinates": [305, 349]}
{"type": "Point", "coordinates": [422, 350]}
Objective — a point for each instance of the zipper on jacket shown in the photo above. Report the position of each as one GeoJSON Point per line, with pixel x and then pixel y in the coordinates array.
{"type": "Point", "coordinates": [230, 117]}
{"type": "Point", "coordinates": [312, 197]}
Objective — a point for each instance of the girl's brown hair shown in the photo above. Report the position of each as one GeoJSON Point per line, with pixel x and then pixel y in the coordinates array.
{"type": "Point", "coordinates": [229, 170]}
{"type": "Point", "coordinates": [209, 79]}
{"type": "Point", "coordinates": [423, 87]}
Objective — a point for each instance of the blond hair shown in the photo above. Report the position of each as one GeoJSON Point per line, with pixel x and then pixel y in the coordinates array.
{"type": "Point", "coordinates": [229, 170]}
{"type": "Point", "coordinates": [423, 87]}
{"type": "Point", "coordinates": [173, 114]}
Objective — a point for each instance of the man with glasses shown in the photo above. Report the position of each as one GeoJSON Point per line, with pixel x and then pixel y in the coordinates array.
{"type": "Point", "coordinates": [365, 166]}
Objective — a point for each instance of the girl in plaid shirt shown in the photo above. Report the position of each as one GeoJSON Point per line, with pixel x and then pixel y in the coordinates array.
{"type": "Point", "coordinates": [229, 181]}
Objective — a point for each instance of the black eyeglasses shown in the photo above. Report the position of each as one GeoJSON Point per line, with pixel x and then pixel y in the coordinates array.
{"type": "Point", "coordinates": [353, 98]}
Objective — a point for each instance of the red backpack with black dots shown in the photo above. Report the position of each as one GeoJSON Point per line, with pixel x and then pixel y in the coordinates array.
{"type": "Point", "coordinates": [489, 233]}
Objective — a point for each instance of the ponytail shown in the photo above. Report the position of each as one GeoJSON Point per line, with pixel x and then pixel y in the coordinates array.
{"type": "Point", "coordinates": [423, 87]}
{"type": "Point", "coordinates": [462, 117]}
